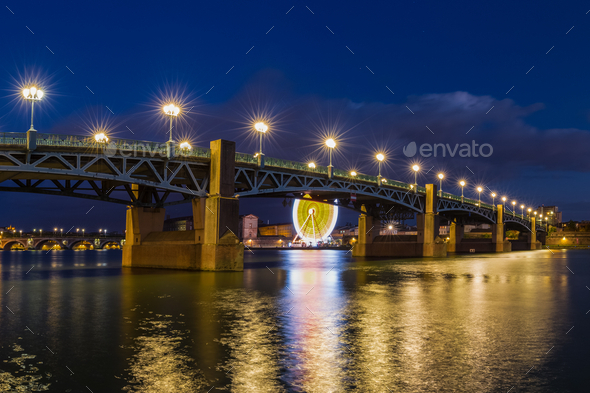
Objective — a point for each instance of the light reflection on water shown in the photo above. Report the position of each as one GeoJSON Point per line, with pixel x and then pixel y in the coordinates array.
{"type": "Point", "coordinates": [301, 321]}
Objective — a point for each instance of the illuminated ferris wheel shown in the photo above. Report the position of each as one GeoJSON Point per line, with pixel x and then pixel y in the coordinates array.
{"type": "Point", "coordinates": [313, 221]}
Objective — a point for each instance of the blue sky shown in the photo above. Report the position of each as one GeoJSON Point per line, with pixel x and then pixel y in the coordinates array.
{"type": "Point", "coordinates": [353, 68]}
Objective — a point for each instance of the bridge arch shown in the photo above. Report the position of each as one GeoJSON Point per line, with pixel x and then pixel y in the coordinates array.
{"type": "Point", "coordinates": [51, 243]}
{"type": "Point", "coordinates": [11, 243]}
{"type": "Point", "coordinates": [80, 242]}
{"type": "Point", "coordinates": [103, 244]}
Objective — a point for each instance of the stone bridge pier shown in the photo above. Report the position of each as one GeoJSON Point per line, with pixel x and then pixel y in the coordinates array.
{"type": "Point", "coordinates": [212, 245]}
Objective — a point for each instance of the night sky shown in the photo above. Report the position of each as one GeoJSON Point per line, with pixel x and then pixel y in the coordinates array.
{"type": "Point", "coordinates": [376, 75]}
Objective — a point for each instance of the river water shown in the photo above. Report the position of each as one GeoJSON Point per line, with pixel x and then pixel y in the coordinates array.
{"type": "Point", "coordinates": [297, 321]}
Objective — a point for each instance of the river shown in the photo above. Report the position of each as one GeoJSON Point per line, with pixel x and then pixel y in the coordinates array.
{"type": "Point", "coordinates": [297, 321]}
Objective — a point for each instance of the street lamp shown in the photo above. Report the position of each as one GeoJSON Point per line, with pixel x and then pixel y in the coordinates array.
{"type": "Point", "coordinates": [380, 157]}
{"type": "Point", "coordinates": [21, 233]}
{"type": "Point", "coordinates": [261, 128]}
{"type": "Point", "coordinates": [41, 232]}
{"type": "Point", "coordinates": [493, 204]}
{"type": "Point", "coordinates": [416, 168]}
{"type": "Point", "coordinates": [83, 230]}
{"type": "Point", "coordinates": [32, 94]}
{"type": "Point", "coordinates": [171, 111]}
{"type": "Point", "coordinates": [513, 207]}
{"type": "Point", "coordinates": [529, 210]}
{"type": "Point", "coordinates": [62, 232]}
{"type": "Point", "coordinates": [331, 143]}
{"type": "Point", "coordinates": [479, 190]}
{"type": "Point", "coordinates": [353, 173]}
{"type": "Point", "coordinates": [522, 211]}
{"type": "Point", "coordinates": [101, 137]}
{"type": "Point", "coordinates": [504, 202]}
{"type": "Point", "coordinates": [462, 183]}
{"type": "Point", "coordinates": [311, 165]}
{"type": "Point", "coordinates": [54, 231]}
{"type": "Point", "coordinates": [441, 177]}
{"type": "Point", "coordinates": [185, 147]}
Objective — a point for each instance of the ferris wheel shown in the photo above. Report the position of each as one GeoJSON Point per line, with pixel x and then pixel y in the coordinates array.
{"type": "Point", "coordinates": [314, 221]}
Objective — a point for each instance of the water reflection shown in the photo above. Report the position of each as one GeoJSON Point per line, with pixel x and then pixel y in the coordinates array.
{"type": "Point", "coordinates": [160, 363]}
{"type": "Point", "coordinates": [295, 321]}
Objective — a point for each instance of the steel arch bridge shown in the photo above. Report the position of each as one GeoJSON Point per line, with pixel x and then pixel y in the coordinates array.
{"type": "Point", "coordinates": [143, 174]}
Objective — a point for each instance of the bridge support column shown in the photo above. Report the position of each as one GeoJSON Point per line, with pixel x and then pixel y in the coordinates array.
{"type": "Point", "coordinates": [499, 232]}
{"type": "Point", "coordinates": [427, 224]}
{"type": "Point", "coordinates": [456, 232]}
{"type": "Point", "coordinates": [366, 235]}
{"type": "Point", "coordinates": [533, 245]}
{"type": "Point", "coordinates": [212, 245]}
{"type": "Point", "coordinates": [222, 249]}
{"type": "Point", "coordinates": [31, 139]}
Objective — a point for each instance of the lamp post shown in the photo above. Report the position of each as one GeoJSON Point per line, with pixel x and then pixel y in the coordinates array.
{"type": "Point", "coordinates": [41, 232]}
{"type": "Point", "coordinates": [311, 165]}
{"type": "Point", "coordinates": [529, 210]}
{"type": "Point", "coordinates": [261, 128]}
{"type": "Point", "coordinates": [32, 94]}
{"type": "Point", "coordinates": [493, 198]}
{"type": "Point", "coordinates": [513, 208]}
{"type": "Point", "coordinates": [62, 232]}
{"type": "Point", "coordinates": [54, 231]}
{"type": "Point", "coordinates": [441, 176]}
{"type": "Point", "coordinates": [331, 143]}
{"type": "Point", "coordinates": [171, 111]}
{"type": "Point", "coordinates": [521, 211]}
{"type": "Point", "coordinates": [416, 168]}
{"type": "Point", "coordinates": [83, 230]}
{"type": "Point", "coordinates": [352, 173]}
{"type": "Point", "coordinates": [479, 190]}
{"type": "Point", "coordinates": [380, 157]}
{"type": "Point", "coordinates": [462, 183]}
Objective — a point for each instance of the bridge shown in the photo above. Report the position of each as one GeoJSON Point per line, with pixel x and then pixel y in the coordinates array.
{"type": "Point", "coordinates": [59, 242]}
{"type": "Point", "coordinates": [149, 176]}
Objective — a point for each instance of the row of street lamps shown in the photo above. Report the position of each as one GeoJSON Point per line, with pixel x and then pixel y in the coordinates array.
{"type": "Point", "coordinates": [33, 94]}
{"type": "Point", "coordinates": [55, 232]}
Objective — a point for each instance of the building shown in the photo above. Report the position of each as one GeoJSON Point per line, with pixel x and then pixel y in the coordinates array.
{"type": "Point", "coordinates": [552, 213]}
{"type": "Point", "coordinates": [178, 224]}
{"type": "Point", "coordinates": [248, 227]}
{"type": "Point", "coordinates": [286, 230]}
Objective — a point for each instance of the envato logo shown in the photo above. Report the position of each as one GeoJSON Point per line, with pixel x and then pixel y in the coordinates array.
{"type": "Point", "coordinates": [139, 149]}
{"type": "Point", "coordinates": [441, 150]}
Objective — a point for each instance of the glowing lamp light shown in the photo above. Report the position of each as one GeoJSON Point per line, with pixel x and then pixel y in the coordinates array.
{"type": "Point", "coordinates": [390, 227]}
{"type": "Point", "coordinates": [260, 127]}
{"type": "Point", "coordinates": [462, 183]}
{"type": "Point", "coordinates": [171, 110]}
{"type": "Point", "coordinates": [441, 176]}
{"type": "Point", "coordinates": [479, 189]}
{"type": "Point", "coordinates": [331, 143]}
{"type": "Point", "coordinates": [311, 165]}
{"type": "Point", "coordinates": [353, 173]}
{"type": "Point", "coordinates": [380, 157]}
{"type": "Point", "coordinates": [503, 199]}
{"type": "Point", "coordinates": [493, 194]}
{"type": "Point", "coordinates": [416, 168]}
{"type": "Point", "coordinates": [32, 94]}
{"type": "Point", "coordinates": [185, 146]}
{"type": "Point", "coordinates": [101, 137]}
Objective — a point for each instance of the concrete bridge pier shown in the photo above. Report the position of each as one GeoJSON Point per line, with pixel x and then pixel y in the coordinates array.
{"type": "Point", "coordinates": [456, 232]}
{"type": "Point", "coordinates": [499, 232]}
{"type": "Point", "coordinates": [427, 243]}
{"type": "Point", "coordinates": [212, 245]}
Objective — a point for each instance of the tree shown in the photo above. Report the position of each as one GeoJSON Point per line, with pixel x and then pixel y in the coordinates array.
{"type": "Point", "coordinates": [571, 226]}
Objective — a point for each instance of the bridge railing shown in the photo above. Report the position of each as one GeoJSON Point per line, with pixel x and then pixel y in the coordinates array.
{"type": "Point", "coordinates": [13, 138]}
